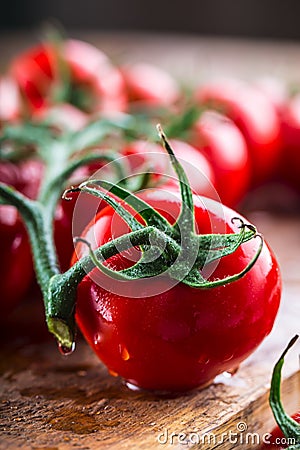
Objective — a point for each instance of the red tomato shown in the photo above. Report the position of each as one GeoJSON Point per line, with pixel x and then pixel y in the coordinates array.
{"type": "Point", "coordinates": [145, 156]}
{"type": "Point", "coordinates": [160, 335]}
{"type": "Point", "coordinates": [277, 440]}
{"type": "Point", "coordinates": [95, 84]}
{"type": "Point", "coordinates": [24, 176]}
{"type": "Point", "coordinates": [289, 164]}
{"type": "Point", "coordinates": [16, 268]}
{"type": "Point", "coordinates": [65, 228]}
{"type": "Point", "coordinates": [256, 117]}
{"type": "Point", "coordinates": [63, 116]}
{"type": "Point", "coordinates": [150, 85]}
{"type": "Point", "coordinates": [85, 207]}
{"type": "Point", "coordinates": [10, 102]}
{"type": "Point", "coordinates": [225, 147]}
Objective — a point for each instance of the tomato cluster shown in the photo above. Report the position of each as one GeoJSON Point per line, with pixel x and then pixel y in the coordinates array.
{"type": "Point", "coordinates": [230, 137]}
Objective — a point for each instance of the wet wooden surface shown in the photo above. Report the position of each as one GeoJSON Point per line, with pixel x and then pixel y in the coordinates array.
{"type": "Point", "coordinates": [53, 402]}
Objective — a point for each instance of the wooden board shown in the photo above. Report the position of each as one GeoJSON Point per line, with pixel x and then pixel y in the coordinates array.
{"type": "Point", "coordinates": [53, 402]}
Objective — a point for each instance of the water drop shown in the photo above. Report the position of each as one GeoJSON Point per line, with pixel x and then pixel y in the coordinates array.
{"type": "Point", "coordinates": [203, 359]}
{"type": "Point", "coordinates": [228, 357]}
{"type": "Point", "coordinates": [227, 374]}
{"type": "Point", "coordinates": [133, 387]}
{"type": "Point", "coordinates": [97, 339]}
{"type": "Point", "coordinates": [124, 353]}
{"type": "Point", "coordinates": [113, 373]}
{"type": "Point", "coordinates": [66, 351]}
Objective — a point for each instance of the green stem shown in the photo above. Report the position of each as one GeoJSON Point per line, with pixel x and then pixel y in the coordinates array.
{"type": "Point", "coordinates": [61, 295]}
{"type": "Point", "coordinates": [186, 220]}
{"type": "Point", "coordinates": [42, 246]}
{"type": "Point", "coordinates": [288, 426]}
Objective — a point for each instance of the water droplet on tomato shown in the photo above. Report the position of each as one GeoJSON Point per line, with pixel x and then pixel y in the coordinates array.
{"type": "Point", "coordinates": [203, 359]}
{"type": "Point", "coordinates": [66, 351]}
{"type": "Point", "coordinates": [133, 387]}
{"type": "Point", "coordinates": [228, 357]}
{"type": "Point", "coordinates": [227, 374]}
{"type": "Point", "coordinates": [124, 353]}
{"type": "Point", "coordinates": [97, 339]}
{"type": "Point", "coordinates": [113, 373]}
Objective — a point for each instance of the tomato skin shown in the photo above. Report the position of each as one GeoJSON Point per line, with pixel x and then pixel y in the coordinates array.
{"type": "Point", "coordinates": [218, 138]}
{"type": "Point", "coordinates": [289, 164]}
{"type": "Point", "coordinates": [183, 337]}
{"type": "Point", "coordinates": [16, 270]}
{"type": "Point", "coordinates": [276, 439]}
{"type": "Point", "coordinates": [24, 176]}
{"type": "Point", "coordinates": [144, 156]}
{"type": "Point", "coordinates": [66, 228]}
{"type": "Point", "coordinates": [149, 85]}
{"type": "Point", "coordinates": [255, 115]}
{"type": "Point", "coordinates": [37, 70]}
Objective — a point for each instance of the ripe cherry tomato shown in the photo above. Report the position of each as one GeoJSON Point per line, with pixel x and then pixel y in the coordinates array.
{"type": "Point", "coordinates": [146, 156]}
{"type": "Point", "coordinates": [92, 83]}
{"type": "Point", "coordinates": [254, 114]}
{"type": "Point", "coordinates": [225, 147]}
{"type": "Point", "coordinates": [176, 338]}
{"type": "Point", "coordinates": [24, 176]}
{"type": "Point", "coordinates": [65, 229]}
{"type": "Point", "coordinates": [288, 167]}
{"type": "Point", "coordinates": [150, 85]}
{"type": "Point", "coordinates": [16, 268]}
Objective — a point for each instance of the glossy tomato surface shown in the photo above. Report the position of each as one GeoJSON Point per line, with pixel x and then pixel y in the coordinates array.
{"type": "Point", "coordinates": [25, 176]}
{"type": "Point", "coordinates": [143, 156]}
{"type": "Point", "coordinates": [289, 167]}
{"type": "Point", "coordinates": [16, 270]}
{"type": "Point", "coordinates": [219, 139]}
{"type": "Point", "coordinates": [160, 335]}
{"type": "Point", "coordinates": [67, 226]}
{"type": "Point", "coordinates": [149, 85]}
{"type": "Point", "coordinates": [93, 83]}
{"type": "Point", "coordinates": [255, 115]}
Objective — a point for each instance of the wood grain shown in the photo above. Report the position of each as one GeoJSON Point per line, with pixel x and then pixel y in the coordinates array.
{"type": "Point", "coordinates": [52, 402]}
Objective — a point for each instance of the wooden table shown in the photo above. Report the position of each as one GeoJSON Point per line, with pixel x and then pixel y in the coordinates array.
{"type": "Point", "coordinates": [51, 402]}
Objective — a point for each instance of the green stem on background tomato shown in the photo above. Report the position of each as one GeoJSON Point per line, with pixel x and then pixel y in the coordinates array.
{"type": "Point", "coordinates": [288, 426]}
{"type": "Point", "coordinates": [176, 247]}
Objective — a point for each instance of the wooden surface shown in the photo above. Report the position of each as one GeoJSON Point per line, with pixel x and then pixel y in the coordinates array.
{"type": "Point", "coordinates": [51, 402]}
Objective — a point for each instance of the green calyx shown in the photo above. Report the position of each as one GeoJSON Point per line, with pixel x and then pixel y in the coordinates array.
{"type": "Point", "coordinates": [174, 250]}
{"type": "Point", "coordinates": [289, 427]}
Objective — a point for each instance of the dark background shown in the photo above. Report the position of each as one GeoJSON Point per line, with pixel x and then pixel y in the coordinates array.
{"type": "Point", "coordinates": [246, 18]}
